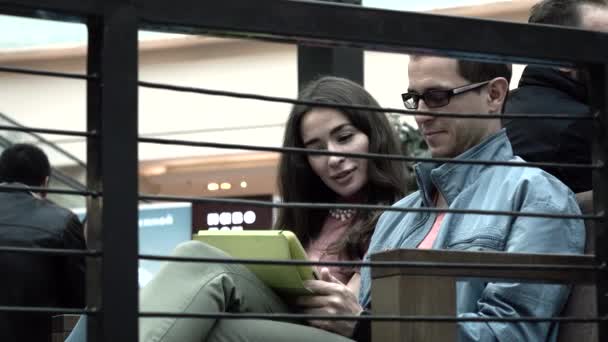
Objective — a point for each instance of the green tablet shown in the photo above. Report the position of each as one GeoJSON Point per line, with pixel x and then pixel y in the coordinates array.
{"type": "Point", "coordinates": [265, 244]}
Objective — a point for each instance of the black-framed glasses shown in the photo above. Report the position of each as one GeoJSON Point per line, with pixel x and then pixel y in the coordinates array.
{"type": "Point", "coordinates": [435, 98]}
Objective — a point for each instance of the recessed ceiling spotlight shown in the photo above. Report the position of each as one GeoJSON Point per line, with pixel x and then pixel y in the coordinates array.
{"type": "Point", "coordinates": [225, 186]}
{"type": "Point", "coordinates": [212, 186]}
{"type": "Point", "coordinates": [243, 184]}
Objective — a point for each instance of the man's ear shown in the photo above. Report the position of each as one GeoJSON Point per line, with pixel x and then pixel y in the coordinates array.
{"type": "Point", "coordinates": [44, 184]}
{"type": "Point", "coordinates": [572, 73]}
{"type": "Point", "coordinates": [497, 93]}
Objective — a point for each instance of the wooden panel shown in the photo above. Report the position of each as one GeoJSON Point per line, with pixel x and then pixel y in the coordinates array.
{"type": "Point", "coordinates": [414, 296]}
{"type": "Point", "coordinates": [554, 275]}
{"type": "Point", "coordinates": [418, 290]}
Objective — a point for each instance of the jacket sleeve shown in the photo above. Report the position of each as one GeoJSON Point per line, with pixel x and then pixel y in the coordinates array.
{"type": "Point", "coordinates": [73, 267]}
{"type": "Point", "coordinates": [529, 235]}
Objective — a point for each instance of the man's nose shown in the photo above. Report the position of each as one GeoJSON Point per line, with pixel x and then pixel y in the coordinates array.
{"type": "Point", "coordinates": [422, 106]}
{"type": "Point", "coordinates": [422, 118]}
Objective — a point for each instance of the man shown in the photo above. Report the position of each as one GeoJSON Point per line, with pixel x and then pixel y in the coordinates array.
{"type": "Point", "coordinates": [446, 85]}
{"type": "Point", "coordinates": [27, 219]}
{"type": "Point", "coordinates": [557, 91]}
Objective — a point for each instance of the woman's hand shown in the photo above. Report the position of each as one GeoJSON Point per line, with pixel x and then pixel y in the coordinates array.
{"type": "Point", "coordinates": [331, 297]}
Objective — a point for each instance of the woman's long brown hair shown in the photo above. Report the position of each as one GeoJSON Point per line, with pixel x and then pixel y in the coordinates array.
{"type": "Point", "coordinates": [297, 182]}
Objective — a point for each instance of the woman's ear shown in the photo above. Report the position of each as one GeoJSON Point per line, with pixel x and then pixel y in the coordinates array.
{"type": "Point", "coordinates": [497, 93]}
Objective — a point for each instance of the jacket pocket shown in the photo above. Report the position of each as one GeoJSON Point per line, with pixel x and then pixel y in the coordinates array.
{"type": "Point", "coordinates": [478, 242]}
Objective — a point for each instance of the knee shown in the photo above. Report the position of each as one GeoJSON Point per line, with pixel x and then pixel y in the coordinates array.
{"type": "Point", "coordinates": [197, 249]}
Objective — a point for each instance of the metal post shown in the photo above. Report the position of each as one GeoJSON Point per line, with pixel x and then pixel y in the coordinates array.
{"type": "Point", "coordinates": [599, 104]}
{"type": "Point", "coordinates": [314, 62]}
{"type": "Point", "coordinates": [112, 168]}
{"type": "Point", "coordinates": [93, 222]}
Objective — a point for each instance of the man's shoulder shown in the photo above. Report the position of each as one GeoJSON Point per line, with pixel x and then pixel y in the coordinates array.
{"type": "Point", "coordinates": [63, 217]}
{"type": "Point", "coordinates": [530, 181]}
{"type": "Point", "coordinates": [59, 210]}
{"type": "Point", "coordinates": [37, 211]}
{"type": "Point", "coordinates": [519, 174]}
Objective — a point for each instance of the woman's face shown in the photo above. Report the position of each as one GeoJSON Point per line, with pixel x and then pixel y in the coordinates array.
{"type": "Point", "coordinates": [329, 129]}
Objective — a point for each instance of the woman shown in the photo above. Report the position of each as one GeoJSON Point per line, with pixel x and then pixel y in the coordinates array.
{"type": "Point", "coordinates": [326, 235]}
{"type": "Point", "coordinates": [337, 234]}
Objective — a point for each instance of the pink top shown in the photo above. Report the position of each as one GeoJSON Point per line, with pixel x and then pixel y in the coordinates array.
{"type": "Point", "coordinates": [331, 231]}
{"type": "Point", "coordinates": [430, 238]}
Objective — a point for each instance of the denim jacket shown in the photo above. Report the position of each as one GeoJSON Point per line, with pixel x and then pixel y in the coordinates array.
{"type": "Point", "coordinates": [489, 187]}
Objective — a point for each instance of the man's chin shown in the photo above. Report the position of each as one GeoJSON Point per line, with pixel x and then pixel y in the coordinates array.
{"type": "Point", "coordinates": [437, 152]}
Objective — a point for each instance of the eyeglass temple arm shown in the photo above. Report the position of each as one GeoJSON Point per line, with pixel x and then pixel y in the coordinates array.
{"type": "Point", "coordinates": [469, 87]}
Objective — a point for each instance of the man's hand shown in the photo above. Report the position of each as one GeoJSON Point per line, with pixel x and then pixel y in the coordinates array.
{"type": "Point", "coordinates": [331, 297]}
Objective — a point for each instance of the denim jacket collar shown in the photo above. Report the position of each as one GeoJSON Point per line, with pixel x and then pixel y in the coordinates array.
{"type": "Point", "coordinates": [450, 179]}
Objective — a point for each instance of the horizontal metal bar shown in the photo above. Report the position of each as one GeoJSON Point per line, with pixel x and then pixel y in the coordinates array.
{"type": "Point", "coordinates": [43, 140]}
{"type": "Point", "coordinates": [49, 190]}
{"type": "Point", "coordinates": [188, 132]}
{"type": "Point", "coordinates": [400, 157]}
{"type": "Point", "coordinates": [251, 96]}
{"type": "Point", "coordinates": [46, 73]}
{"type": "Point", "coordinates": [269, 204]}
{"type": "Point", "coordinates": [379, 264]}
{"type": "Point", "coordinates": [390, 318]}
{"type": "Point", "coordinates": [63, 10]}
{"type": "Point", "coordinates": [48, 309]}
{"type": "Point", "coordinates": [50, 251]}
{"type": "Point", "coordinates": [315, 23]}
{"type": "Point", "coordinates": [46, 131]}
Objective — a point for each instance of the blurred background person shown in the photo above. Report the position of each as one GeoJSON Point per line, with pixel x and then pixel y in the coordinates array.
{"type": "Point", "coordinates": [558, 91]}
{"type": "Point", "coordinates": [28, 219]}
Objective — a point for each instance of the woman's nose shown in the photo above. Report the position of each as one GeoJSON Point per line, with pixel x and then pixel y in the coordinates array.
{"type": "Point", "coordinates": [334, 160]}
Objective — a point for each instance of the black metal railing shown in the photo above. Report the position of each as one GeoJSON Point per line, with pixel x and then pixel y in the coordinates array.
{"type": "Point", "coordinates": [112, 117]}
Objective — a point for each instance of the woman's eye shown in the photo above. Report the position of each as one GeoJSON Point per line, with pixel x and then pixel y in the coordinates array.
{"type": "Point", "coordinates": [345, 137]}
{"type": "Point", "coordinates": [316, 147]}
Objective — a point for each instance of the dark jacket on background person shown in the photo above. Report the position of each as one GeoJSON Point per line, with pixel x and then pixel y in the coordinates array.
{"type": "Point", "coordinates": [549, 91]}
{"type": "Point", "coordinates": [37, 280]}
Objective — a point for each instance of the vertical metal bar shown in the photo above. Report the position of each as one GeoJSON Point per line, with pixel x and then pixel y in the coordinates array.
{"type": "Point", "coordinates": [94, 162]}
{"type": "Point", "coordinates": [314, 62]}
{"type": "Point", "coordinates": [599, 104]}
{"type": "Point", "coordinates": [113, 113]}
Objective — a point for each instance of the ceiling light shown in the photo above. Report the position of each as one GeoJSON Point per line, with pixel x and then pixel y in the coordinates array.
{"type": "Point", "coordinates": [225, 186]}
{"type": "Point", "coordinates": [243, 184]}
{"type": "Point", "coordinates": [154, 171]}
{"type": "Point", "coordinates": [212, 186]}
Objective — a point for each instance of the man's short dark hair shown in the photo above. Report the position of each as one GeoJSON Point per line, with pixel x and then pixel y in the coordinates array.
{"type": "Point", "coordinates": [474, 71]}
{"type": "Point", "coordinates": [561, 12]}
{"type": "Point", "coordinates": [24, 163]}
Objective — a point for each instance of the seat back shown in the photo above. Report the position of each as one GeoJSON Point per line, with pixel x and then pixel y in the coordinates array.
{"type": "Point", "coordinates": [582, 303]}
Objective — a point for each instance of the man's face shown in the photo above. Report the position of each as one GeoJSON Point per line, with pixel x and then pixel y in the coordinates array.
{"type": "Point", "coordinates": [449, 137]}
{"type": "Point", "coordinates": [594, 18]}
